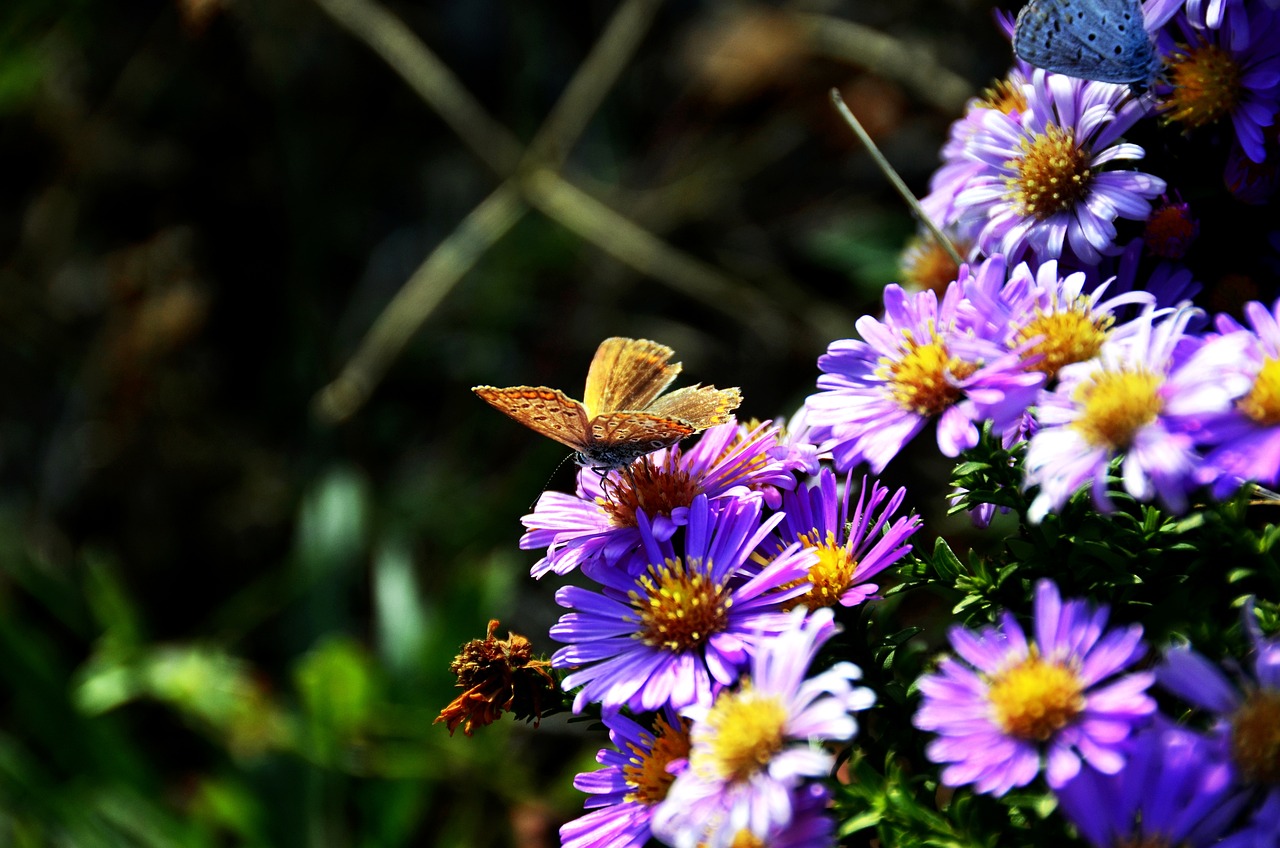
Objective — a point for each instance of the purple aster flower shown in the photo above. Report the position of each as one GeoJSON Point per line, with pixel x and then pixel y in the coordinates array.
{"type": "Point", "coordinates": [1007, 705]}
{"type": "Point", "coordinates": [599, 520]}
{"type": "Point", "coordinates": [688, 623]}
{"type": "Point", "coordinates": [1211, 80]}
{"type": "Point", "coordinates": [1262, 828]}
{"type": "Point", "coordinates": [1247, 716]}
{"type": "Point", "coordinates": [1043, 187]}
{"type": "Point", "coordinates": [635, 778]}
{"type": "Point", "coordinates": [916, 365]}
{"type": "Point", "coordinates": [1139, 399]}
{"type": "Point", "coordinates": [810, 826]}
{"type": "Point", "coordinates": [1246, 437]}
{"type": "Point", "coordinates": [1051, 318]}
{"type": "Point", "coordinates": [960, 164]}
{"type": "Point", "coordinates": [1175, 789]}
{"type": "Point", "coordinates": [753, 747]}
{"type": "Point", "coordinates": [850, 550]}
{"type": "Point", "coordinates": [1171, 284]}
{"type": "Point", "coordinates": [1252, 182]}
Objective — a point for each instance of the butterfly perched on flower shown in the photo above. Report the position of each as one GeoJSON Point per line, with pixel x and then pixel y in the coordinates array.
{"type": "Point", "coordinates": [1101, 40]}
{"type": "Point", "coordinates": [623, 414]}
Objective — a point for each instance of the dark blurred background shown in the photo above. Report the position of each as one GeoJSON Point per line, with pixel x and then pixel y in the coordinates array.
{"type": "Point", "coordinates": [228, 595]}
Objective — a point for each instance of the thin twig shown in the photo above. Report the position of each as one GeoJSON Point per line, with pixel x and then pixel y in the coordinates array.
{"type": "Point", "coordinates": [912, 65]}
{"type": "Point", "coordinates": [402, 317]}
{"type": "Point", "coordinates": [628, 242]}
{"type": "Point", "coordinates": [594, 79]}
{"type": "Point", "coordinates": [894, 179]}
{"type": "Point", "coordinates": [431, 79]}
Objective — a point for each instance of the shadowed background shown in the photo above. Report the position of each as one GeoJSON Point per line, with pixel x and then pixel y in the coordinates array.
{"type": "Point", "coordinates": [252, 258]}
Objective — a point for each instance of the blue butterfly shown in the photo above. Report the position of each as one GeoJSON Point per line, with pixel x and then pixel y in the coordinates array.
{"type": "Point", "coordinates": [1102, 40]}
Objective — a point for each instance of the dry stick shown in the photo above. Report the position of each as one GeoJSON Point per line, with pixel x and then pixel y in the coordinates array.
{"type": "Point", "coordinates": [487, 223]}
{"type": "Point", "coordinates": [431, 79]}
{"type": "Point", "coordinates": [912, 65]}
{"type": "Point", "coordinates": [621, 238]}
{"type": "Point", "coordinates": [420, 294]}
{"type": "Point", "coordinates": [594, 79]}
{"type": "Point", "coordinates": [894, 179]}
{"type": "Point", "coordinates": [628, 242]}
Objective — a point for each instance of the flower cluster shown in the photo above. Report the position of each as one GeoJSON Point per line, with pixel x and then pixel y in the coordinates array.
{"type": "Point", "coordinates": [713, 573]}
{"type": "Point", "coordinates": [1114, 372]}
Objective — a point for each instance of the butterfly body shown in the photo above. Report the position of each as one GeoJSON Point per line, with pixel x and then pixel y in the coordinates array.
{"type": "Point", "coordinates": [623, 414]}
{"type": "Point", "coordinates": [1101, 40]}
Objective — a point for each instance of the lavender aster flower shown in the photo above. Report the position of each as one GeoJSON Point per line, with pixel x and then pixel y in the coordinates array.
{"type": "Point", "coordinates": [1050, 317]}
{"type": "Point", "coordinates": [1211, 80]}
{"type": "Point", "coordinates": [599, 520]}
{"type": "Point", "coordinates": [1043, 187]}
{"type": "Point", "coordinates": [1139, 399]}
{"type": "Point", "coordinates": [1174, 789]}
{"type": "Point", "coordinates": [1247, 720]}
{"type": "Point", "coordinates": [850, 550]}
{"type": "Point", "coordinates": [752, 747]}
{"type": "Point", "coordinates": [916, 365]}
{"type": "Point", "coordinates": [1007, 703]}
{"type": "Point", "coordinates": [686, 625]}
{"type": "Point", "coordinates": [635, 778]}
{"type": "Point", "coordinates": [1262, 828]}
{"type": "Point", "coordinates": [1247, 436]}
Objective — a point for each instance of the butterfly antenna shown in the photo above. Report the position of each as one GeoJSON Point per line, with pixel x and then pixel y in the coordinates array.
{"type": "Point", "coordinates": [894, 180]}
{"type": "Point", "coordinates": [547, 485]}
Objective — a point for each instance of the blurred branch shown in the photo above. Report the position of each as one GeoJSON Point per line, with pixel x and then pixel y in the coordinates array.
{"type": "Point", "coordinates": [592, 81]}
{"type": "Point", "coordinates": [630, 243]}
{"type": "Point", "coordinates": [529, 173]}
{"type": "Point", "coordinates": [388, 36]}
{"type": "Point", "coordinates": [892, 176]}
{"type": "Point", "coordinates": [402, 317]}
{"type": "Point", "coordinates": [912, 65]}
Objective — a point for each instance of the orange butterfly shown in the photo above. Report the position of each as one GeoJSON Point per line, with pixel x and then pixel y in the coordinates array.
{"type": "Point", "coordinates": [621, 417]}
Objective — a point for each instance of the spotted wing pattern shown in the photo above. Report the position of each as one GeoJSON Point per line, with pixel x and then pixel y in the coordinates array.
{"type": "Point", "coordinates": [619, 438]}
{"type": "Point", "coordinates": [627, 374]}
{"type": "Point", "coordinates": [547, 411]}
{"type": "Point", "coordinates": [623, 417]}
{"type": "Point", "coordinates": [1102, 40]}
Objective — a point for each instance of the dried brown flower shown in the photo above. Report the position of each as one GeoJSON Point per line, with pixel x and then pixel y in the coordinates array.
{"type": "Point", "coordinates": [499, 676]}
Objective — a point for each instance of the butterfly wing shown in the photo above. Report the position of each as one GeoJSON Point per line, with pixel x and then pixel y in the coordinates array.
{"type": "Point", "coordinates": [699, 406]}
{"type": "Point", "coordinates": [547, 411]}
{"type": "Point", "coordinates": [627, 374]}
{"type": "Point", "coordinates": [1102, 40]}
{"type": "Point", "coordinates": [619, 438]}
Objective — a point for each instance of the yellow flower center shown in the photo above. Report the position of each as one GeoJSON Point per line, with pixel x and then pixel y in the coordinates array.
{"type": "Point", "coordinates": [829, 577]}
{"type": "Point", "coordinates": [1071, 335]}
{"type": "Point", "coordinates": [1206, 86]}
{"type": "Point", "coordinates": [927, 266]}
{"type": "Point", "coordinates": [746, 732]}
{"type": "Point", "coordinates": [921, 381]}
{"type": "Point", "coordinates": [1005, 97]}
{"type": "Point", "coordinates": [681, 606]}
{"type": "Point", "coordinates": [646, 771]}
{"type": "Point", "coordinates": [1262, 404]}
{"type": "Point", "coordinates": [1255, 737]}
{"type": "Point", "coordinates": [1035, 698]}
{"type": "Point", "coordinates": [1052, 174]}
{"type": "Point", "coordinates": [1117, 404]}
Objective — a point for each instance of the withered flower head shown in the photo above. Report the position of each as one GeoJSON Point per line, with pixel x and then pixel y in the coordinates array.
{"type": "Point", "coordinates": [499, 676]}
